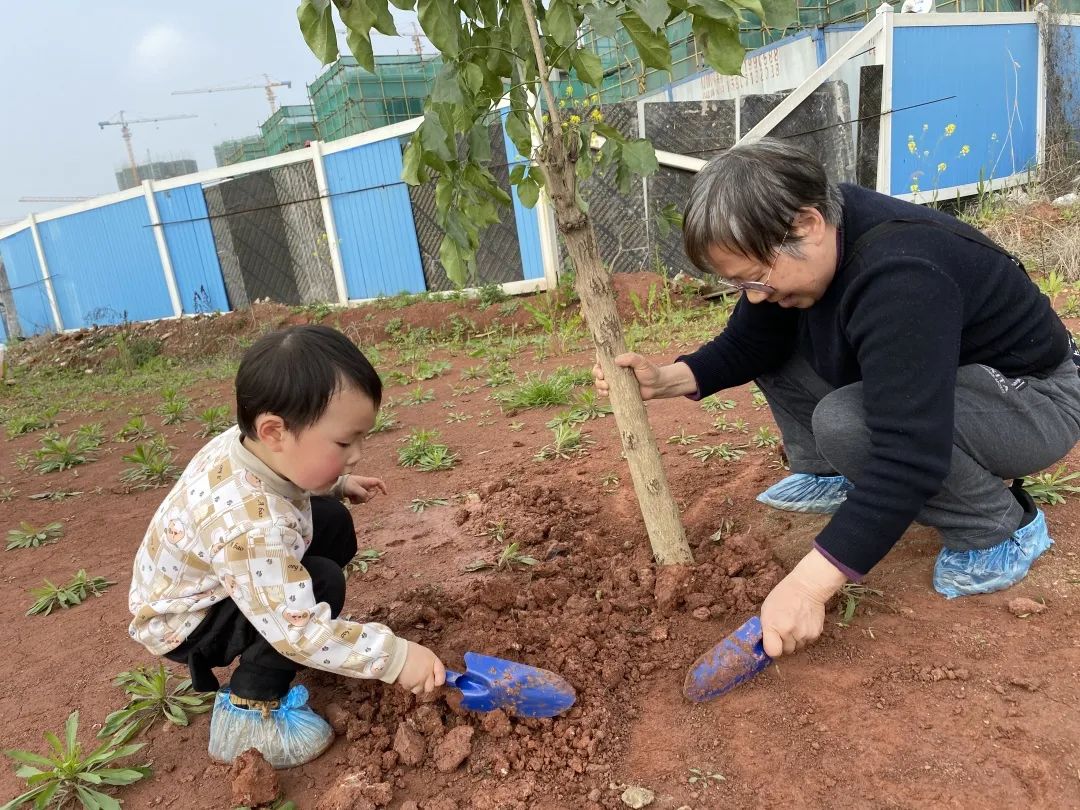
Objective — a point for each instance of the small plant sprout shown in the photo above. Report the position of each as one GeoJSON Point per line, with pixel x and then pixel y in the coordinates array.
{"type": "Point", "coordinates": [766, 438]}
{"type": "Point", "coordinates": [423, 451]}
{"type": "Point", "coordinates": [497, 530]}
{"type": "Point", "coordinates": [214, 420]}
{"type": "Point", "coordinates": [714, 405]}
{"type": "Point", "coordinates": [18, 425]}
{"type": "Point", "coordinates": [55, 495]}
{"type": "Point", "coordinates": [609, 481]}
{"type": "Point", "coordinates": [419, 395]}
{"type": "Point", "coordinates": [472, 373]}
{"type": "Point", "coordinates": [507, 559]}
{"type": "Point", "coordinates": [420, 504]}
{"type": "Point", "coordinates": [682, 438]}
{"type": "Point", "coordinates": [757, 399]}
{"type": "Point", "coordinates": [724, 452]}
{"type": "Point", "coordinates": [91, 435]}
{"type": "Point", "coordinates": [1052, 284]}
{"type": "Point", "coordinates": [134, 429]}
{"type": "Point", "coordinates": [8, 494]}
{"type": "Point", "coordinates": [567, 441]}
{"type": "Point", "coordinates": [384, 421]}
{"type": "Point", "coordinates": [153, 693]}
{"type": "Point", "coordinates": [516, 427]}
{"type": "Point", "coordinates": [703, 779]}
{"type": "Point", "coordinates": [851, 595]}
{"type": "Point", "coordinates": [738, 425]}
{"type": "Point", "coordinates": [151, 466]}
{"type": "Point", "coordinates": [458, 417]}
{"type": "Point", "coordinates": [57, 454]}
{"type": "Point", "coordinates": [75, 592]}
{"type": "Point", "coordinates": [174, 408]}
{"type": "Point", "coordinates": [67, 777]}
{"type": "Point", "coordinates": [397, 377]}
{"type": "Point", "coordinates": [363, 560]}
{"type": "Point", "coordinates": [430, 369]}
{"type": "Point", "coordinates": [535, 391]}
{"type": "Point", "coordinates": [26, 536]}
{"type": "Point", "coordinates": [587, 406]}
{"type": "Point", "coordinates": [1050, 486]}
{"type": "Point", "coordinates": [498, 373]}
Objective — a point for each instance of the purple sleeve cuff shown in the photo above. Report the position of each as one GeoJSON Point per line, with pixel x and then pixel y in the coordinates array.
{"type": "Point", "coordinates": [850, 573]}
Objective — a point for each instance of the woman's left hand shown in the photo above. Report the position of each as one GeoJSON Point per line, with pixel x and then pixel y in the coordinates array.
{"type": "Point", "coordinates": [361, 489]}
{"type": "Point", "coordinates": [793, 614]}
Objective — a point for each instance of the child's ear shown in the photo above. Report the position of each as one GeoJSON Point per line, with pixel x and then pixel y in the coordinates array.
{"type": "Point", "coordinates": [270, 431]}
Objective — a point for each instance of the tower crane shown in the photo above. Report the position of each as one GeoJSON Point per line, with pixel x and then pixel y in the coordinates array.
{"type": "Point", "coordinates": [268, 85]}
{"type": "Point", "coordinates": [124, 123]}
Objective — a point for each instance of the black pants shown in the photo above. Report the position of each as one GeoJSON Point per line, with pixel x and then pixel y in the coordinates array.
{"type": "Point", "coordinates": [225, 633]}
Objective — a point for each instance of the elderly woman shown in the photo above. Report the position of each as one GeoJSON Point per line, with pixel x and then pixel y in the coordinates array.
{"type": "Point", "coordinates": [910, 363]}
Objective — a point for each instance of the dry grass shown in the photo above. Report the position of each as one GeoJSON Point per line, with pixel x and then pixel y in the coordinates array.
{"type": "Point", "coordinates": [1045, 237]}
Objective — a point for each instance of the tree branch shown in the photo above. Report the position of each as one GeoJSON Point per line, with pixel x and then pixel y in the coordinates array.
{"type": "Point", "coordinates": [541, 64]}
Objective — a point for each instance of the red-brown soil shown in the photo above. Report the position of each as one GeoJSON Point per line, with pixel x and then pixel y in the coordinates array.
{"type": "Point", "coordinates": [919, 703]}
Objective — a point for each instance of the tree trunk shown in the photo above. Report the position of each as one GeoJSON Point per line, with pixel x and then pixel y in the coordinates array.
{"type": "Point", "coordinates": [594, 288]}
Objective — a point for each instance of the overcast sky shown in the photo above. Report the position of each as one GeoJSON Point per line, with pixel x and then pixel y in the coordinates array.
{"type": "Point", "coordinates": [66, 65]}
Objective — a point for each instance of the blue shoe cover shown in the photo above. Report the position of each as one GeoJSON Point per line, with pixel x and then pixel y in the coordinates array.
{"type": "Point", "coordinates": [963, 573]}
{"type": "Point", "coordinates": [286, 736]}
{"type": "Point", "coordinates": [803, 492]}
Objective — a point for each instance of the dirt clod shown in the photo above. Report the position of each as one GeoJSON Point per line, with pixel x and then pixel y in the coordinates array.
{"type": "Point", "coordinates": [454, 748]}
{"type": "Point", "coordinates": [637, 797]}
{"type": "Point", "coordinates": [338, 717]}
{"type": "Point", "coordinates": [1021, 606]}
{"type": "Point", "coordinates": [409, 745]}
{"type": "Point", "coordinates": [254, 781]}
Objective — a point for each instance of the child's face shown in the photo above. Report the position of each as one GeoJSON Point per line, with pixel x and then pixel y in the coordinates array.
{"type": "Point", "coordinates": [315, 457]}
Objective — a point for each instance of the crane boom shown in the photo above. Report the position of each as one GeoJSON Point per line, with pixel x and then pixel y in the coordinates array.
{"type": "Point", "coordinates": [125, 132]}
{"type": "Point", "coordinates": [268, 84]}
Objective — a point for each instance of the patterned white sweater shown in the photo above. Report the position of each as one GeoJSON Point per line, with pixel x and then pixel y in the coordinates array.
{"type": "Point", "coordinates": [233, 528]}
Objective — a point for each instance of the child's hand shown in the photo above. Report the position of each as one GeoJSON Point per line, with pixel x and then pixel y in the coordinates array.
{"type": "Point", "coordinates": [361, 489]}
{"type": "Point", "coordinates": [423, 670]}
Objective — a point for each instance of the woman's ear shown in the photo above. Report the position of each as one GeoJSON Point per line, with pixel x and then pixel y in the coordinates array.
{"type": "Point", "coordinates": [270, 431]}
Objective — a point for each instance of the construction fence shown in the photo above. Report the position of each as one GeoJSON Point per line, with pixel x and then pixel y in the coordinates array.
{"type": "Point", "coordinates": [333, 222]}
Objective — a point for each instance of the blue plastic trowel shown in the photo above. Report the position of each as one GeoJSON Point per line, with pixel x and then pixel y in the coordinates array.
{"type": "Point", "coordinates": [733, 661]}
{"type": "Point", "coordinates": [490, 683]}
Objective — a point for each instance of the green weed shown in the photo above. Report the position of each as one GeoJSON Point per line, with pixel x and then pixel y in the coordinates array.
{"type": "Point", "coordinates": [75, 592]}
{"type": "Point", "coordinates": [26, 536]}
{"type": "Point", "coordinates": [153, 695]}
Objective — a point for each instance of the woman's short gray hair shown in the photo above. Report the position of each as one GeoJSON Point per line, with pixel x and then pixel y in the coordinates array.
{"type": "Point", "coordinates": [745, 200]}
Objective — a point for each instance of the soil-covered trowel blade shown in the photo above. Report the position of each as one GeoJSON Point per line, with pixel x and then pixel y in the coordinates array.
{"type": "Point", "coordinates": [733, 661]}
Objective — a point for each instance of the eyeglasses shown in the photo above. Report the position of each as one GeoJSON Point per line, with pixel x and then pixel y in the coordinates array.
{"type": "Point", "coordinates": [757, 286]}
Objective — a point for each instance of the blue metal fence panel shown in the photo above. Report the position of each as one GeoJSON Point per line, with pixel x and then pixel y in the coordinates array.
{"type": "Point", "coordinates": [191, 249]}
{"type": "Point", "coordinates": [528, 226]}
{"type": "Point", "coordinates": [27, 286]}
{"type": "Point", "coordinates": [105, 265]}
{"type": "Point", "coordinates": [374, 221]}
{"type": "Point", "coordinates": [3, 331]}
{"type": "Point", "coordinates": [983, 82]}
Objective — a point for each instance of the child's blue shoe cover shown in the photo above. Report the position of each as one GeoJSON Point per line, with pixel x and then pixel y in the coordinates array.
{"type": "Point", "coordinates": [803, 492]}
{"type": "Point", "coordinates": [288, 735]}
{"type": "Point", "coordinates": [963, 573]}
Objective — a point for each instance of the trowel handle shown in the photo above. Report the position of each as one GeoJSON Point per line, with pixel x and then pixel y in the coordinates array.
{"type": "Point", "coordinates": [750, 635]}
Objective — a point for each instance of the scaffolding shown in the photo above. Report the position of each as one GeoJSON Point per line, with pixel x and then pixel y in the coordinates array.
{"type": "Point", "coordinates": [237, 150]}
{"type": "Point", "coordinates": [291, 127]}
{"type": "Point", "coordinates": [348, 99]}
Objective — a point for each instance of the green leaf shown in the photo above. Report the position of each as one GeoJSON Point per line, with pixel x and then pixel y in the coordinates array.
{"type": "Point", "coordinates": [384, 20]}
{"type": "Point", "coordinates": [780, 14]}
{"type": "Point", "coordinates": [71, 729]}
{"type": "Point", "coordinates": [120, 776]}
{"type": "Point", "coordinates": [653, 13]}
{"type": "Point", "coordinates": [652, 47]}
{"type": "Point", "coordinates": [359, 43]}
{"type": "Point", "coordinates": [317, 26]}
{"type": "Point", "coordinates": [412, 170]}
{"type": "Point", "coordinates": [451, 260]}
{"type": "Point", "coordinates": [588, 67]}
{"type": "Point", "coordinates": [404, 5]}
{"type": "Point", "coordinates": [447, 88]}
{"type": "Point", "coordinates": [29, 757]}
{"type": "Point", "coordinates": [442, 24]}
{"type": "Point", "coordinates": [96, 800]}
{"type": "Point", "coordinates": [559, 23]}
{"type": "Point", "coordinates": [603, 19]}
{"type": "Point", "coordinates": [434, 137]}
{"type": "Point", "coordinates": [23, 798]}
{"type": "Point", "coordinates": [528, 192]}
{"type": "Point", "coordinates": [517, 123]}
{"type": "Point", "coordinates": [639, 157]}
{"type": "Point", "coordinates": [720, 41]}
{"type": "Point", "coordinates": [474, 77]}
{"type": "Point", "coordinates": [479, 143]}
{"type": "Point", "coordinates": [753, 6]}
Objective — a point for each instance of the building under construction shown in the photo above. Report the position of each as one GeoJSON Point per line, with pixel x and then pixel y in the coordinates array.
{"type": "Point", "coordinates": [291, 127]}
{"type": "Point", "coordinates": [155, 170]}
{"type": "Point", "coordinates": [348, 99]}
{"type": "Point", "coordinates": [237, 150]}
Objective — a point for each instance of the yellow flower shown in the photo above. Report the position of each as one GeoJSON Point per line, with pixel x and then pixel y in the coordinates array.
{"type": "Point", "coordinates": [993, 136]}
{"type": "Point", "coordinates": [925, 127]}
{"type": "Point", "coordinates": [596, 116]}
{"type": "Point", "coordinates": [575, 119]}
{"type": "Point", "coordinates": [561, 103]}
{"type": "Point", "coordinates": [949, 129]}
{"type": "Point", "coordinates": [941, 167]}
{"type": "Point", "coordinates": [914, 188]}
{"type": "Point", "coordinates": [911, 147]}
{"type": "Point", "coordinates": [964, 150]}
{"type": "Point", "coordinates": [569, 91]}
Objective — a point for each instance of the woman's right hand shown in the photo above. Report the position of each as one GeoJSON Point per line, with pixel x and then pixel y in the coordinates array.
{"type": "Point", "coordinates": [648, 374]}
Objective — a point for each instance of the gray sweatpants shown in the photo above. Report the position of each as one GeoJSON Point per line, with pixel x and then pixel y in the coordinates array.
{"type": "Point", "coordinates": [1005, 429]}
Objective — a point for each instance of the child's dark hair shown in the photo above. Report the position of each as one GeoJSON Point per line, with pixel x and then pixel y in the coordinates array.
{"type": "Point", "coordinates": [294, 372]}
